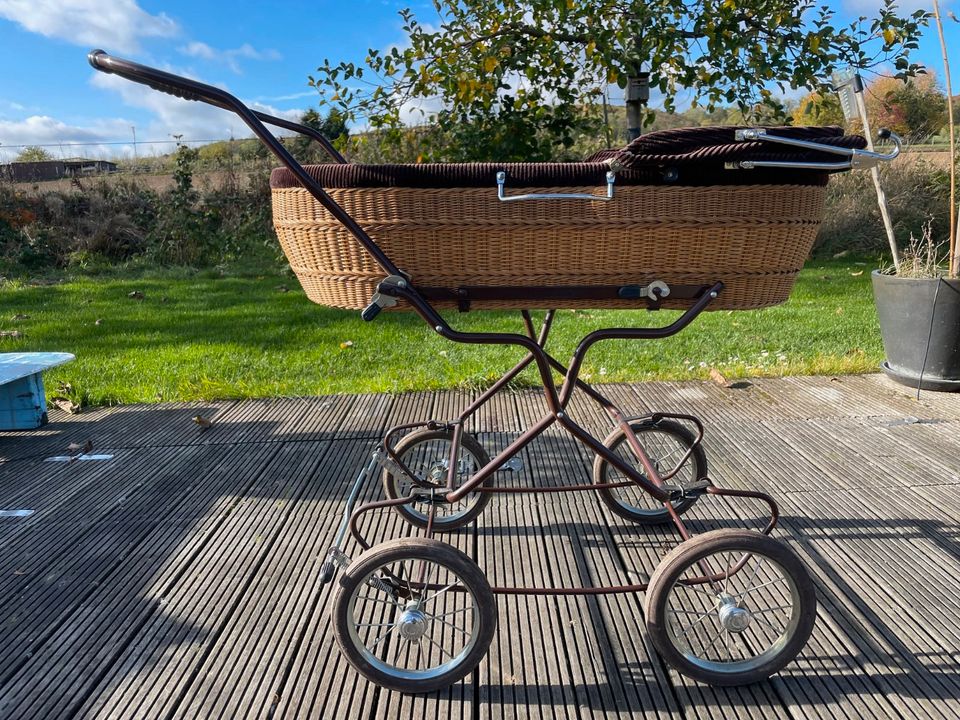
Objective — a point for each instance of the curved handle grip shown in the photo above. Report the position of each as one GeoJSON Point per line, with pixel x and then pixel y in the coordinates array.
{"type": "Point", "coordinates": [193, 90]}
{"type": "Point", "coordinates": [187, 89]}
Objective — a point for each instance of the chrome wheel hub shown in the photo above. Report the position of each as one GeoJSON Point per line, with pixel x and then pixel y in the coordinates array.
{"type": "Point", "coordinates": [412, 624]}
{"type": "Point", "coordinates": [733, 616]}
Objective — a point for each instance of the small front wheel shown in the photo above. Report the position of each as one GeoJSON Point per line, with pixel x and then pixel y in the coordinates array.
{"type": "Point", "coordinates": [730, 607]}
{"type": "Point", "coordinates": [427, 454]}
{"type": "Point", "coordinates": [414, 614]}
{"type": "Point", "coordinates": [665, 442]}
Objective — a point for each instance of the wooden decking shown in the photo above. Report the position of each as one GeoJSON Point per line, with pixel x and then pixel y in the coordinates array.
{"type": "Point", "coordinates": [179, 578]}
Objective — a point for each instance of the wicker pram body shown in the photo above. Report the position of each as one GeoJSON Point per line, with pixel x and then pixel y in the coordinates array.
{"type": "Point", "coordinates": [679, 215]}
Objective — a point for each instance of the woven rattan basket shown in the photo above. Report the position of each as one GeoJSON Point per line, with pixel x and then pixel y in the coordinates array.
{"type": "Point", "coordinates": [754, 238]}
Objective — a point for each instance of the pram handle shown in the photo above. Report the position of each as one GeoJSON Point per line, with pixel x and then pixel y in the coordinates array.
{"type": "Point", "coordinates": [193, 90]}
{"type": "Point", "coordinates": [856, 159]}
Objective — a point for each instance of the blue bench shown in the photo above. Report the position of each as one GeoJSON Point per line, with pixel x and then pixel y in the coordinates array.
{"type": "Point", "coordinates": [23, 405]}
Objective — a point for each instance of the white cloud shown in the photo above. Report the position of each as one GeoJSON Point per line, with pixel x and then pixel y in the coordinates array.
{"type": "Point", "coordinates": [61, 138]}
{"type": "Point", "coordinates": [229, 57]}
{"type": "Point", "coordinates": [114, 24]}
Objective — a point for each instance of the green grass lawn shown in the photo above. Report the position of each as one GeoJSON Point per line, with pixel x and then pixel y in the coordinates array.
{"type": "Point", "coordinates": [200, 336]}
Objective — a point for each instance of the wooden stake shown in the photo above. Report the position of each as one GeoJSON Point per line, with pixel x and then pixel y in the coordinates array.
{"type": "Point", "coordinates": [953, 256]}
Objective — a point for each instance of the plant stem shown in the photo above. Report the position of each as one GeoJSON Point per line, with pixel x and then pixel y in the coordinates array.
{"type": "Point", "coordinates": [953, 254]}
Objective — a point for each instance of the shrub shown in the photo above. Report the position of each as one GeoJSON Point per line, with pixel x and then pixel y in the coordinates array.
{"type": "Point", "coordinates": [917, 192]}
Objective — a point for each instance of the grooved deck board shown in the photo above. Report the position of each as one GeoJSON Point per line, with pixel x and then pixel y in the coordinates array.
{"type": "Point", "coordinates": [179, 579]}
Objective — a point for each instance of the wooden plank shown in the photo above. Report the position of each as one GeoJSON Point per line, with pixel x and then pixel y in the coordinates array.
{"type": "Point", "coordinates": [66, 665]}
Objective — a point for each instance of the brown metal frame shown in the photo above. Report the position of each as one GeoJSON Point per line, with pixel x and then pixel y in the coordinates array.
{"type": "Point", "coordinates": [397, 285]}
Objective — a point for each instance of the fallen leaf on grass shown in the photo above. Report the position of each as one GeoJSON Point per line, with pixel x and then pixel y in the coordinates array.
{"type": "Point", "coordinates": [282, 288]}
{"type": "Point", "coordinates": [346, 344]}
{"type": "Point", "coordinates": [135, 295]}
{"type": "Point", "coordinates": [65, 404]}
{"type": "Point", "coordinates": [11, 333]}
{"type": "Point", "coordinates": [858, 273]}
{"type": "Point", "coordinates": [204, 423]}
{"type": "Point", "coordinates": [97, 321]}
{"type": "Point", "coordinates": [20, 316]}
{"type": "Point", "coordinates": [839, 311]}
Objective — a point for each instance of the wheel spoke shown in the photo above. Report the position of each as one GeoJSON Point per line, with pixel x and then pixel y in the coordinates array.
{"type": "Point", "coordinates": [771, 609]}
{"type": "Point", "coordinates": [455, 627]}
{"type": "Point", "coordinates": [752, 580]}
{"type": "Point", "coordinates": [770, 625]}
{"type": "Point", "coordinates": [436, 644]}
{"type": "Point", "coordinates": [360, 625]}
{"type": "Point", "coordinates": [763, 585]}
{"type": "Point", "coordinates": [451, 612]}
{"type": "Point", "coordinates": [382, 637]}
{"type": "Point", "coordinates": [693, 625]}
{"type": "Point", "coordinates": [440, 592]}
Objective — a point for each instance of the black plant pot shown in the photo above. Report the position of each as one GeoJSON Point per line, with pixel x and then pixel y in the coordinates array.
{"type": "Point", "coordinates": [908, 318]}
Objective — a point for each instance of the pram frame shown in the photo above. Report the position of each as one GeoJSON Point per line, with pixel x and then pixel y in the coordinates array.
{"type": "Point", "coordinates": [397, 286]}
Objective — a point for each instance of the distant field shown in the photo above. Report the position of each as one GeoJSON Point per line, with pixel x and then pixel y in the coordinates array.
{"type": "Point", "coordinates": [155, 181]}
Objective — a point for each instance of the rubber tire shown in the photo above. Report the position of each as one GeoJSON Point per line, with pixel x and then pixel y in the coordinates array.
{"type": "Point", "coordinates": [687, 553]}
{"type": "Point", "coordinates": [468, 442]}
{"type": "Point", "coordinates": [422, 549]}
{"type": "Point", "coordinates": [614, 439]}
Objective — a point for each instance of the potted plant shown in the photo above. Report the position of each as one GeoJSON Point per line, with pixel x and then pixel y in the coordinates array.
{"type": "Point", "coordinates": [918, 299]}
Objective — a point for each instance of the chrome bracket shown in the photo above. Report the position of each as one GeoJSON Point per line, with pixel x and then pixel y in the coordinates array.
{"type": "Point", "coordinates": [514, 464]}
{"type": "Point", "coordinates": [855, 159]}
{"type": "Point", "coordinates": [382, 458]}
{"type": "Point", "coordinates": [655, 290]}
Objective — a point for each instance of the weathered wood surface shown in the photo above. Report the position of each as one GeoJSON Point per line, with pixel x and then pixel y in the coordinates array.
{"type": "Point", "coordinates": [178, 580]}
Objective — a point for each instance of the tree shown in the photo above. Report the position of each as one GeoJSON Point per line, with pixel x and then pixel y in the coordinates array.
{"type": "Point", "coordinates": [818, 108]}
{"type": "Point", "coordinates": [333, 127]}
{"type": "Point", "coordinates": [515, 78]}
{"type": "Point", "coordinates": [34, 153]}
{"type": "Point", "coordinates": [915, 109]}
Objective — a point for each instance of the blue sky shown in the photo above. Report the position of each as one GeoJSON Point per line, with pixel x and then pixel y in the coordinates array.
{"type": "Point", "coordinates": [259, 51]}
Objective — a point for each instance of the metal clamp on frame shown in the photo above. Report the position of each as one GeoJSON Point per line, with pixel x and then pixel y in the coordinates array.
{"type": "Point", "coordinates": [383, 298]}
{"type": "Point", "coordinates": [856, 159]}
{"type": "Point", "coordinates": [503, 197]}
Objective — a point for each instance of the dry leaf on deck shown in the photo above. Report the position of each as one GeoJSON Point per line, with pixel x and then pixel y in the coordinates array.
{"type": "Point", "coordinates": [718, 378]}
{"type": "Point", "coordinates": [203, 422]}
{"type": "Point", "coordinates": [81, 449]}
{"type": "Point", "coordinates": [65, 404]}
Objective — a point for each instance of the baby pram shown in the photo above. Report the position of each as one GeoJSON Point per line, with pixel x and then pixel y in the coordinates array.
{"type": "Point", "coordinates": [701, 219]}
